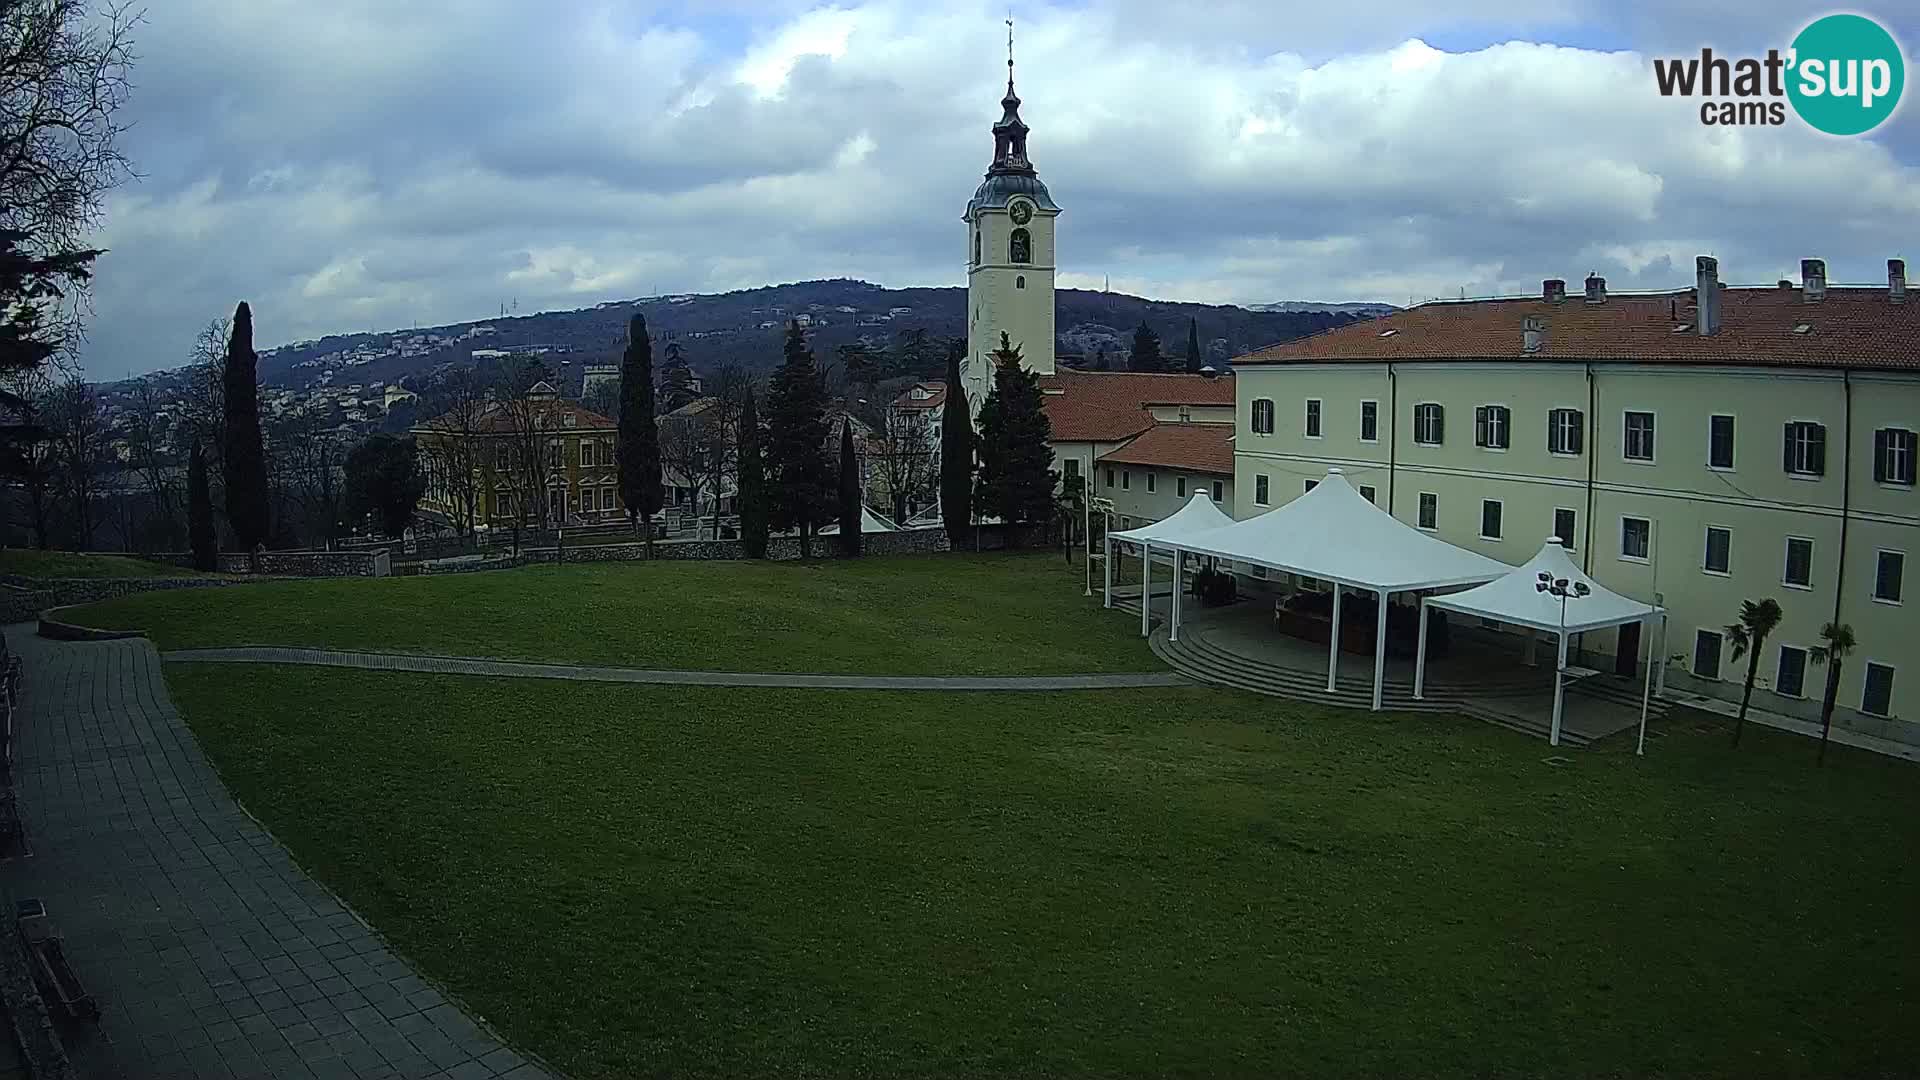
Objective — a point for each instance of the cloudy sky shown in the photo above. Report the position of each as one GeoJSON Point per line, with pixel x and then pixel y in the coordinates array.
{"type": "Point", "coordinates": [366, 164]}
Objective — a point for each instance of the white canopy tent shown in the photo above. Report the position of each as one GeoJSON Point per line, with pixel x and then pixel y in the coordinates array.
{"type": "Point", "coordinates": [870, 522]}
{"type": "Point", "coordinates": [1199, 515]}
{"type": "Point", "coordinates": [1336, 534]}
{"type": "Point", "coordinates": [1549, 593]}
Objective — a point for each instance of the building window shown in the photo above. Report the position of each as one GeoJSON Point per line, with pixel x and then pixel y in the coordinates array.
{"type": "Point", "coordinates": [1636, 538]}
{"type": "Point", "coordinates": [1893, 456]}
{"type": "Point", "coordinates": [976, 248]}
{"type": "Point", "coordinates": [1887, 572]}
{"type": "Point", "coordinates": [1126, 479]}
{"type": "Point", "coordinates": [1020, 281]}
{"type": "Point", "coordinates": [1367, 492]}
{"type": "Point", "coordinates": [1109, 477]}
{"type": "Point", "coordinates": [1179, 487]}
{"type": "Point", "coordinates": [1719, 554]}
{"type": "Point", "coordinates": [1719, 442]}
{"type": "Point", "coordinates": [586, 500]}
{"type": "Point", "coordinates": [606, 499]}
{"type": "Point", "coordinates": [1263, 416]}
{"type": "Point", "coordinates": [1805, 449]}
{"type": "Point", "coordinates": [1151, 477]}
{"type": "Point", "coordinates": [1791, 678]}
{"type": "Point", "coordinates": [1429, 424]}
{"type": "Point", "coordinates": [1566, 431]}
{"type": "Point", "coordinates": [1637, 443]}
{"type": "Point", "coordinates": [1876, 698]}
{"type": "Point", "coordinates": [1070, 468]}
{"type": "Point", "coordinates": [1799, 571]}
{"type": "Point", "coordinates": [1369, 421]}
{"type": "Point", "coordinates": [1490, 426]}
{"type": "Point", "coordinates": [1311, 484]}
{"type": "Point", "coordinates": [1021, 246]}
{"type": "Point", "coordinates": [1313, 418]}
{"type": "Point", "coordinates": [1564, 521]}
{"type": "Point", "coordinates": [1429, 510]}
{"type": "Point", "coordinates": [1490, 510]}
{"type": "Point", "coordinates": [1260, 490]}
{"type": "Point", "coordinates": [1219, 491]}
{"type": "Point", "coordinates": [1706, 654]}
{"type": "Point", "coordinates": [586, 455]}
{"type": "Point", "coordinates": [554, 450]}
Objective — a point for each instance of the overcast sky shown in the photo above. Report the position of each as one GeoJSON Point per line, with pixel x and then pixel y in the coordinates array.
{"type": "Point", "coordinates": [367, 164]}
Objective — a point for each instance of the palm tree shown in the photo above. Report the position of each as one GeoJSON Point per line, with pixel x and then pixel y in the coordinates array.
{"type": "Point", "coordinates": [1839, 645]}
{"type": "Point", "coordinates": [1756, 622]}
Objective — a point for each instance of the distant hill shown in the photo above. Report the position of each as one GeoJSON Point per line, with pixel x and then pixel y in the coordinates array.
{"type": "Point", "coordinates": [1364, 309]}
{"type": "Point", "coordinates": [745, 327]}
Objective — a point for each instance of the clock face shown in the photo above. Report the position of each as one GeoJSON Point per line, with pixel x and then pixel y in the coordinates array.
{"type": "Point", "coordinates": [1022, 212]}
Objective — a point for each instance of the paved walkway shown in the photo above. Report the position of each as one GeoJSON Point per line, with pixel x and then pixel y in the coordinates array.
{"type": "Point", "coordinates": [460, 665]}
{"type": "Point", "coordinates": [210, 952]}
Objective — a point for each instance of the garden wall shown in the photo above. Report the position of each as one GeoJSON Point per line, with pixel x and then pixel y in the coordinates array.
{"type": "Point", "coordinates": [296, 563]}
{"type": "Point", "coordinates": [22, 599]}
{"type": "Point", "coordinates": [779, 549]}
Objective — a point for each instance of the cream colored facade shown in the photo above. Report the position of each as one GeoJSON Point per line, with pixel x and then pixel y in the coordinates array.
{"type": "Point", "coordinates": [1143, 494]}
{"type": "Point", "coordinates": [1608, 493]}
{"type": "Point", "coordinates": [1005, 294]}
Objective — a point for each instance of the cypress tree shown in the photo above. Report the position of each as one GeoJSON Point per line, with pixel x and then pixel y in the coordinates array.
{"type": "Point", "coordinates": [752, 486]}
{"type": "Point", "coordinates": [1146, 350]}
{"type": "Point", "coordinates": [246, 458]}
{"type": "Point", "coordinates": [800, 484]}
{"type": "Point", "coordinates": [850, 501]}
{"type": "Point", "coordinates": [1015, 483]}
{"type": "Point", "coordinates": [956, 454]}
{"type": "Point", "coordinates": [1194, 363]}
{"type": "Point", "coordinates": [638, 454]}
{"type": "Point", "coordinates": [200, 533]}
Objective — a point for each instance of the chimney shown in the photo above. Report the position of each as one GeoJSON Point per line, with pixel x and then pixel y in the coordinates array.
{"type": "Point", "coordinates": [1553, 290]}
{"type": "Point", "coordinates": [1897, 280]}
{"type": "Point", "coordinates": [1813, 280]}
{"type": "Point", "coordinates": [1706, 295]}
{"type": "Point", "coordinates": [1596, 289]}
{"type": "Point", "coordinates": [1533, 334]}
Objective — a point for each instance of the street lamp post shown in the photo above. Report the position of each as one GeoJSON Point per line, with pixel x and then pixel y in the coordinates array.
{"type": "Point", "coordinates": [1563, 589]}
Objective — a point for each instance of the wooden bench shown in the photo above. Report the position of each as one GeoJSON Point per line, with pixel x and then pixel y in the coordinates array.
{"type": "Point", "coordinates": [48, 957]}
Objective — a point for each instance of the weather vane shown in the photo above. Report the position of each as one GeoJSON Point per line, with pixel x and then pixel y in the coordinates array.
{"type": "Point", "coordinates": [1009, 46]}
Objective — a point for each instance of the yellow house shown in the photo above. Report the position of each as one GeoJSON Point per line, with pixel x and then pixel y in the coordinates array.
{"type": "Point", "coordinates": [480, 454]}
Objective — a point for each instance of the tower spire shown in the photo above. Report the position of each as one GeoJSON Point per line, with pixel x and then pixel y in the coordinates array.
{"type": "Point", "coordinates": [1010, 134]}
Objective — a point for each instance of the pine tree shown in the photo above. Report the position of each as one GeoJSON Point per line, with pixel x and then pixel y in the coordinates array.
{"type": "Point", "coordinates": [246, 460]}
{"type": "Point", "coordinates": [751, 483]}
{"type": "Point", "coordinates": [850, 501]}
{"type": "Point", "coordinates": [1194, 363]}
{"type": "Point", "coordinates": [1015, 482]}
{"type": "Point", "coordinates": [1146, 350]}
{"type": "Point", "coordinates": [956, 454]}
{"type": "Point", "coordinates": [200, 533]}
{"type": "Point", "coordinates": [638, 453]}
{"type": "Point", "coordinates": [800, 481]}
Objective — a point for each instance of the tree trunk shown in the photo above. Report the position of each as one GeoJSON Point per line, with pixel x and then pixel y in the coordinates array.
{"type": "Point", "coordinates": [1753, 668]}
{"type": "Point", "coordinates": [646, 522]}
{"type": "Point", "coordinates": [1826, 708]}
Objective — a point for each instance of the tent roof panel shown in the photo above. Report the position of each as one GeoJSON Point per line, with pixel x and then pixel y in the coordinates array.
{"type": "Point", "coordinates": [1515, 598]}
{"type": "Point", "coordinates": [1198, 515]}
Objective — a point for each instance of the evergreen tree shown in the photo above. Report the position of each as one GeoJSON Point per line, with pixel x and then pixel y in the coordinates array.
{"type": "Point", "coordinates": [200, 533]}
{"type": "Point", "coordinates": [676, 379]}
{"type": "Point", "coordinates": [1100, 359]}
{"type": "Point", "coordinates": [245, 457]}
{"type": "Point", "coordinates": [850, 501]}
{"type": "Point", "coordinates": [751, 498]}
{"type": "Point", "coordinates": [1015, 482]}
{"type": "Point", "coordinates": [800, 481]}
{"type": "Point", "coordinates": [1194, 362]}
{"type": "Point", "coordinates": [638, 452]}
{"type": "Point", "coordinates": [1146, 350]}
{"type": "Point", "coordinates": [384, 480]}
{"type": "Point", "coordinates": [956, 453]}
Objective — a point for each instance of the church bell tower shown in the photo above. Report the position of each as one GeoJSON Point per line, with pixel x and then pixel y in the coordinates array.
{"type": "Point", "coordinates": [1010, 255]}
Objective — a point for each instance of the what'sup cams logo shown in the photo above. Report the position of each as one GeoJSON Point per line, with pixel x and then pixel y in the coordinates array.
{"type": "Point", "coordinates": [1843, 75]}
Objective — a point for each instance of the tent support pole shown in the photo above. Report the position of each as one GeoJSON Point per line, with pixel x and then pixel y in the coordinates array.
{"type": "Point", "coordinates": [1646, 691]}
{"type": "Point", "coordinates": [1559, 689]}
{"type": "Point", "coordinates": [1106, 568]}
{"type": "Point", "coordinates": [1660, 686]}
{"type": "Point", "coordinates": [1380, 651]}
{"type": "Point", "coordinates": [1420, 657]}
{"type": "Point", "coordinates": [1146, 589]}
{"type": "Point", "coordinates": [1527, 649]}
{"type": "Point", "coordinates": [1333, 642]}
{"type": "Point", "coordinates": [1179, 567]}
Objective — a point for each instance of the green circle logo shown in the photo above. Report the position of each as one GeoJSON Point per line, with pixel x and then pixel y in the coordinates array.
{"type": "Point", "coordinates": [1846, 74]}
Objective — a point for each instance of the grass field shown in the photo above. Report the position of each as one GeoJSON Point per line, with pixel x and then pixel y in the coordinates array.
{"type": "Point", "coordinates": [916, 615]}
{"type": "Point", "coordinates": [653, 881]}
{"type": "Point", "coordinates": [75, 564]}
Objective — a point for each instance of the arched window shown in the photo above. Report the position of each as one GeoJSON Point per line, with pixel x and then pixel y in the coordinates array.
{"type": "Point", "coordinates": [1020, 282]}
{"type": "Point", "coordinates": [1022, 246]}
{"type": "Point", "coordinates": [976, 247]}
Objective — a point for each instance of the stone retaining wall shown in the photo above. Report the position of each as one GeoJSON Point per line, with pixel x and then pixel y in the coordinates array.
{"type": "Point", "coordinates": [22, 599]}
{"type": "Point", "coordinates": [296, 563]}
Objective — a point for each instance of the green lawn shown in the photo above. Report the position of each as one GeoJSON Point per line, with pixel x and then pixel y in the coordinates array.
{"type": "Point", "coordinates": [918, 615]}
{"type": "Point", "coordinates": [656, 881]}
{"type": "Point", "coordinates": [77, 564]}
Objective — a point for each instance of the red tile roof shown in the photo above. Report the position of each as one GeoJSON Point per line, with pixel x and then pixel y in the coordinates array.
{"type": "Point", "coordinates": [1849, 328]}
{"type": "Point", "coordinates": [1108, 406]}
{"type": "Point", "coordinates": [937, 396]}
{"type": "Point", "coordinates": [497, 421]}
{"type": "Point", "coordinates": [1200, 447]}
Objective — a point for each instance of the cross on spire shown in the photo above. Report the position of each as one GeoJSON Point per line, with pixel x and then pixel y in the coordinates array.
{"type": "Point", "coordinates": [1010, 134]}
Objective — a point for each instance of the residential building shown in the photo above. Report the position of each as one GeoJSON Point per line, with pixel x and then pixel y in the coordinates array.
{"type": "Point", "coordinates": [1695, 448]}
{"type": "Point", "coordinates": [1155, 474]}
{"type": "Point", "coordinates": [578, 482]}
{"type": "Point", "coordinates": [1094, 413]}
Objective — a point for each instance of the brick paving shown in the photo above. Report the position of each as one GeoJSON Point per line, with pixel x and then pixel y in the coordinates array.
{"type": "Point", "coordinates": [463, 665]}
{"type": "Point", "coordinates": [210, 952]}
